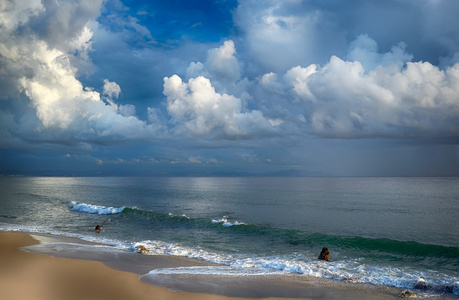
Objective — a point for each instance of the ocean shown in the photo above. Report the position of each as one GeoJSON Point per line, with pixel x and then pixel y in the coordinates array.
{"type": "Point", "coordinates": [399, 232]}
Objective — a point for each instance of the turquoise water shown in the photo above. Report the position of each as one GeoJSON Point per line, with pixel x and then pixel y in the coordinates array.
{"type": "Point", "coordinates": [394, 231]}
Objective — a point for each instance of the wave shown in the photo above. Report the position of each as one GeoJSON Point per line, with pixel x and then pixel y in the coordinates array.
{"type": "Point", "coordinates": [225, 223]}
{"type": "Point", "coordinates": [358, 259]}
{"type": "Point", "coordinates": [349, 269]}
{"type": "Point", "coordinates": [366, 245]}
{"type": "Point", "coordinates": [344, 246]}
{"type": "Point", "coordinates": [95, 209]}
{"type": "Point", "coordinates": [181, 219]}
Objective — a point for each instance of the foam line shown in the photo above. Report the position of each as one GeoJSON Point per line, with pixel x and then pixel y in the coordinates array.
{"type": "Point", "coordinates": [95, 209]}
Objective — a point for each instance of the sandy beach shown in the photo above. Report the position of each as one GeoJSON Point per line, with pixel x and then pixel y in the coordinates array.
{"type": "Point", "coordinates": [26, 275]}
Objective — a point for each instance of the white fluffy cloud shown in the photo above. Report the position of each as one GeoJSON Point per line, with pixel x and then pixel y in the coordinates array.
{"type": "Point", "coordinates": [111, 89]}
{"type": "Point", "coordinates": [317, 82]}
{"type": "Point", "coordinates": [222, 63]}
{"type": "Point", "coordinates": [367, 94]}
{"type": "Point", "coordinates": [63, 105]}
{"type": "Point", "coordinates": [389, 98]}
{"type": "Point", "coordinates": [40, 66]}
{"type": "Point", "coordinates": [203, 105]}
{"type": "Point", "coordinates": [221, 67]}
{"type": "Point", "coordinates": [196, 107]}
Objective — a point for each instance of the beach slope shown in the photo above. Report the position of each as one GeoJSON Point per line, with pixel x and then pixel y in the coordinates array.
{"type": "Point", "coordinates": [25, 275]}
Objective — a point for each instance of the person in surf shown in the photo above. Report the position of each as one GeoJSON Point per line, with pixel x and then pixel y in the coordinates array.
{"type": "Point", "coordinates": [324, 254]}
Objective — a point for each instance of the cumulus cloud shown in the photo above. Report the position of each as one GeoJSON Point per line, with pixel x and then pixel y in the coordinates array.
{"type": "Point", "coordinates": [111, 89]}
{"type": "Point", "coordinates": [196, 107]}
{"type": "Point", "coordinates": [204, 105]}
{"type": "Point", "coordinates": [385, 96]}
{"type": "Point", "coordinates": [221, 67]}
{"type": "Point", "coordinates": [43, 43]}
{"type": "Point", "coordinates": [367, 93]}
{"type": "Point", "coordinates": [365, 50]}
{"type": "Point", "coordinates": [222, 63]}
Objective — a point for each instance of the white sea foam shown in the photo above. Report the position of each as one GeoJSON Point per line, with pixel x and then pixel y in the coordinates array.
{"type": "Point", "coordinates": [225, 223]}
{"type": "Point", "coordinates": [46, 230]}
{"type": "Point", "coordinates": [174, 215]}
{"type": "Point", "coordinates": [95, 209]}
{"type": "Point", "coordinates": [68, 247]}
{"type": "Point", "coordinates": [353, 270]}
{"type": "Point", "coordinates": [206, 270]}
{"type": "Point", "coordinates": [350, 270]}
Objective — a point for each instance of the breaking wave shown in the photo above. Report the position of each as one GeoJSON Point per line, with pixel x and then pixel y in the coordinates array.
{"type": "Point", "coordinates": [352, 270]}
{"type": "Point", "coordinates": [225, 223]}
{"type": "Point", "coordinates": [95, 209]}
{"type": "Point", "coordinates": [356, 259]}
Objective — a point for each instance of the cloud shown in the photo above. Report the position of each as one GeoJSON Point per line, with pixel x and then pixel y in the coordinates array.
{"type": "Point", "coordinates": [365, 50]}
{"type": "Point", "coordinates": [63, 105]}
{"type": "Point", "coordinates": [16, 13]}
{"type": "Point", "coordinates": [82, 75]}
{"type": "Point", "coordinates": [41, 65]}
{"type": "Point", "coordinates": [390, 97]}
{"type": "Point", "coordinates": [197, 108]}
{"type": "Point", "coordinates": [276, 35]}
{"type": "Point", "coordinates": [436, 17]}
{"type": "Point", "coordinates": [358, 95]}
{"type": "Point", "coordinates": [111, 89]}
{"type": "Point", "coordinates": [61, 25]}
{"type": "Point", "coordinates": [366, 94]}
{"type": "Point", "coordinates": [203, 106]}
{"type": "Point", "coordinates": [194, 160]}
{"type": "Point", "coordinates": [222, 63]}
{"type": "Point", "coordinates": [280, 34]}
{"type": "Point", "coordinates": [221, 67]}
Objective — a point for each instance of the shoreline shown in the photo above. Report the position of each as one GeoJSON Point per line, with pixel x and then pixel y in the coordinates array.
{"type": "Point", "coordinates": [26, 275]}
{"type": "Point", "coordinates": [90, 275]}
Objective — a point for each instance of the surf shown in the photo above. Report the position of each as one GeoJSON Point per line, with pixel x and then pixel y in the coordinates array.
{"type": "Point", "coordinates": [95, 209]}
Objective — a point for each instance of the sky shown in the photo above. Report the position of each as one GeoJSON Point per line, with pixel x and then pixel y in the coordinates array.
{"type": "Point", "coordinates": [229, 88]}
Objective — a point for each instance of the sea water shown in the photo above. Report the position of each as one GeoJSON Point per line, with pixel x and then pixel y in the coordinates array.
{"type": "Point", "coordinates": [401, 232]}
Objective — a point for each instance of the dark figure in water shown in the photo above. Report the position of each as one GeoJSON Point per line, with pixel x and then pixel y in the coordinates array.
{"type": "Point", "coordinates": [99, 227]}
{"type": "Point", "coordinates": [324, 254]}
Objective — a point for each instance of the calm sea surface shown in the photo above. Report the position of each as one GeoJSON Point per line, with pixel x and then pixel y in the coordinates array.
{"type": "Point", "coordinates": [394, 231]}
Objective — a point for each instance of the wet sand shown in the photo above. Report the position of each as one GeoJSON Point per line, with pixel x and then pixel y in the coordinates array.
{"type": "Point", "coordinates": [26, 274]}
